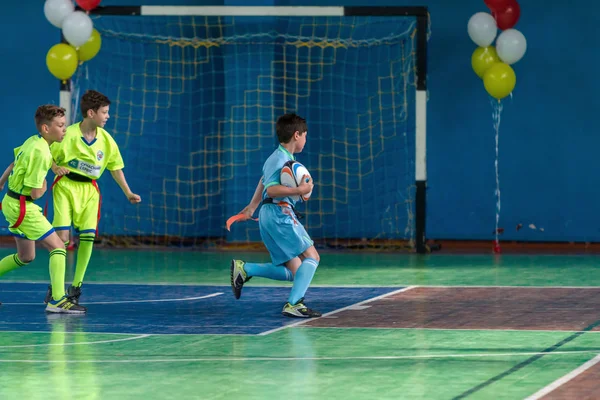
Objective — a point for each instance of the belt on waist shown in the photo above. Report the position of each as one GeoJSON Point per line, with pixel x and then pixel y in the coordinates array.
{"type": "Point", "coordinates": [17, 196]}
{"type": "Point", "coordinates": [78, 178]}
{"type": "Point", "coordinates": [269, 200]}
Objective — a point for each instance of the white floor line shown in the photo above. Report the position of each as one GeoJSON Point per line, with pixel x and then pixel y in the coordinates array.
{"type": "Point", "coordinates": [561, 381]}
{"type": "Point", "coordinates": [194, 335]}
{"type": "Point", "coordinates": [129, 301]}
{"type": "Point", "coordinates": [75, 343]}
{"type": "Point", "coordinates": [457, 329]}
{"type": "Point", "coordinates": [318, 285]}
{"type": "Point", "coordinates": [304, 321]}
{"type": "Point", "coordinates": [298, 359]}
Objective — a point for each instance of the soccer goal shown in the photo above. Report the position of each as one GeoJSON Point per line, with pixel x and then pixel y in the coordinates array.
{"type": "Point", "coordinates": [196, 91]}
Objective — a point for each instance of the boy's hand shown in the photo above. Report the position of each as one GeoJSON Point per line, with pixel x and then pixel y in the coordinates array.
{"type": "Point", "coordinates": [60, 171]}
{"type": "Point", "coordinates": [134, 198]}
{"type": "Point", "coordinates": [248, 211]}
{"type": "Point", "coordinates": [306, 186]}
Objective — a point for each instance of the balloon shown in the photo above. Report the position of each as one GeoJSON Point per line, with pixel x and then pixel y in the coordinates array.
{"type": "Point", "coordinates": [57, 10]}
{"type": "Point", "coordinates": [483, 58]}
{"type": "Point", "coordinates": [499, 80]}
{"type": "Point", "coordinates": [482, 29]}
{"type": "Point", "coordinates": [511, 46]}
{"type": "Point", "coordinates": [508, 16]}
{"type": "Point", "coordinates": [77, 28]}
{"type": "Point", "coordinates": [61, 61]}
{"type": "Point", "coordinates": [90, 48]}
{"type": "Point", "coordinates": [88, 5]}
{"type": "Point", "coordinates": [498, 4]}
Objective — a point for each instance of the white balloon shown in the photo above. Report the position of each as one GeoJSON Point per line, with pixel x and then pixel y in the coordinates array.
{"type": "Point", "coordinates": [511, 46]}
{"type": "Point", "coordinates": [77, 28]}
{"type": "Point", "coordinates": [57, 10]}
{"type": "Point", "coordinates": [482, 29]}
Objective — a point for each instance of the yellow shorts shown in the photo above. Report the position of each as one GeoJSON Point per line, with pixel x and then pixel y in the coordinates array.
{"type": "Point", "coordinates": [75, 203]}
{"type": "Point", "coordinates": [34, 226]}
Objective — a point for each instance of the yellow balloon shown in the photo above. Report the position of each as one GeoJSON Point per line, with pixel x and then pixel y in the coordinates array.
{"type": "Point", "coordinates": [483, 58]}
{"type": "Point", "coordinates": [90, 48]}
{"type": "Point", "coordinates": [499, 80]}
{"type": "Point", "coordinates": [61, 61]}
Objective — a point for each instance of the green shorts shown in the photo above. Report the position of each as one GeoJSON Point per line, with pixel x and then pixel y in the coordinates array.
{"type": "Point", "coordinates": [34, 225]}
{"type": "Point", "coordinates": [75, 203]}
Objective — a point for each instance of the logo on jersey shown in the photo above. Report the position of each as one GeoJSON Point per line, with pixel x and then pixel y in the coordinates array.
{"type": "Point", "coordinates": [86, 168]}
{"type": "Point", "coordinates": [99, 155]}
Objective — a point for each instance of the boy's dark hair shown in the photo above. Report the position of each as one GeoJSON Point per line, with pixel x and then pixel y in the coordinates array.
{"type": "Point", "coordinates": [287, 125]}
{"type": "Point", "coordinates": [46, 113]}
{"type": "Point", "coordinates": [93, 100]}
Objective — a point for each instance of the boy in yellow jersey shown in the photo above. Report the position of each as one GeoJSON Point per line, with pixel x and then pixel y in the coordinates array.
{"type": "Point", "coordinates": [26, 178]}
{"type": "Point", "coordinates": [80, 159]}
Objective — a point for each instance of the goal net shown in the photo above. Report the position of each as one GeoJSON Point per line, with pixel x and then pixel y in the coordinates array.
{"type": "Point", "coordinates": [194, 104]}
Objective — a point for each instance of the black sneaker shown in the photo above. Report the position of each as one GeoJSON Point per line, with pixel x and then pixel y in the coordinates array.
{"type": "Point", "coordinates": [238, 277]}
{"type": "Point", "coordinates": [48, 295]}
{"type": "Point", "coordinates": [299, 310]}
{"type": "Point", "coordinates": [74, 293]}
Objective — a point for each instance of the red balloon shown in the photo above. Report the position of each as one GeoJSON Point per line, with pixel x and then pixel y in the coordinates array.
{"type": "Point", "coordinates": [88, 5]}
{"type": "Point", "coordinates": [494, 5]}
{"type": "Point", "coordinates": [507, 18]}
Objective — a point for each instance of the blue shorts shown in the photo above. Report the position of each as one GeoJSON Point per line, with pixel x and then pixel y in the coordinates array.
{"type": "Point", "coordinates": [282, 233]}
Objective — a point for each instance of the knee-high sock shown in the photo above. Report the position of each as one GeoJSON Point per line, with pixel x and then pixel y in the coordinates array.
{"type": "Point", "coordinates": [270, 271]}
{"type": "Point", "coordinates": [84, 253]}
{"type": "Point", "coordinates": [302, 280]}
{"type": "Point", "coordinates": [58, 260]}
{"type": "Point", "coordinates": [9, 263]}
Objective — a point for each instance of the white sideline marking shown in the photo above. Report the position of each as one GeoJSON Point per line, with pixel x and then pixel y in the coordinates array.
{"type": "Point", "coordinates": [130, 301]}
{"type": "Point", "coordinates": [561, 381]}
{"type": "Point", "coordinates": [350, 307]}
{"type": "Point", "coordinates": [295, 359]}
{"type": "Point", "coordinates": [74, 343]}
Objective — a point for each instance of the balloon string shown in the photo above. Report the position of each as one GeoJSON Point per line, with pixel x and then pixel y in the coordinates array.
{"type": "Point", "coordinates": [496, 114]}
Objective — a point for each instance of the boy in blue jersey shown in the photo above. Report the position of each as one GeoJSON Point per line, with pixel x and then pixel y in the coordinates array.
{"type": "Point", "coordinates": [293, 255]}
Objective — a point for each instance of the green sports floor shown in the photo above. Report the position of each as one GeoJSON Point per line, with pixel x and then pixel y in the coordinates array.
{"type": "Point", "coordinates": [165, 325]}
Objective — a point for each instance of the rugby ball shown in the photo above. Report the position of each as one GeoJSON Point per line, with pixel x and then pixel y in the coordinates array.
{"type": "Point", "coordinates": [291, 174]}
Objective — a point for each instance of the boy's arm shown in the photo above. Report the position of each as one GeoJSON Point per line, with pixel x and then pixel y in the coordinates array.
{"type": "Point", "coordinates": [283, 191]}
{"type": "Point", "coordinates": [36, 193]}
{"type": "Point", "coordinates": [119, 177]}
{"type": "Point", "coordinates": [5, 175]}
{"type": "Point", "coordinates": [59, 171]}
{"type": "Point", "coordinates": [255, 202]}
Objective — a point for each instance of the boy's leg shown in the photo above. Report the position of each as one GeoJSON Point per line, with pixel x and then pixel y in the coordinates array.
{"type": "Point", "coordinates": [11, 209]}
{"type": "Point", "coordinates": [24, 255]}
{"type": "Point", "coordinates": [85, 220]}
{"type": "Point", "coordinates": [60, 302]}
{"type": "Point", "coordinates": [64, 237]}
{"type": "Point", "coordinates": [62, 199]}
{"type": "Point", "coordinates": [241, 272]}
{"type": "Point", "coordinates": [295, 306]}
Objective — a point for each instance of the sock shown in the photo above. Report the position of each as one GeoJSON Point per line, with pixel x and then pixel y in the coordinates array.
{"type": "Point", "coordinates": [84, 253]}
{"type": "Point", "coordinates": [9, 263]}
{"type": "Point", "coordinates": [58, 260]}
{"type": "Point", "coordinates": [270, 271]}
{"type": "Point", "coordinates": [304, 276]}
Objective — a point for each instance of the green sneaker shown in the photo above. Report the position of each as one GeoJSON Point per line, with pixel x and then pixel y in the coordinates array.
{"type": "Point", "coordinates": [238, 277]}
{"type": "Point", "coordinates": [64, 306]}
{"type": "Point", "coordinates": [299, 310]}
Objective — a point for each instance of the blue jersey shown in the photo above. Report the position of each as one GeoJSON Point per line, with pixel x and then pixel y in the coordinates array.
{"type": "Point", "coordinates": [272, 171]}
{"type": "Point", "coordinates": [281, 232]}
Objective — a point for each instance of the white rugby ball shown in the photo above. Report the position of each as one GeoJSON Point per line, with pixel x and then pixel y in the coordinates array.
{"type": "Point", "coordinates": [291, 175]}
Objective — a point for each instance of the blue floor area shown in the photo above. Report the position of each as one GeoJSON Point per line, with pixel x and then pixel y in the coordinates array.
{"type": "Point", "coordinates": [164, 309]}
